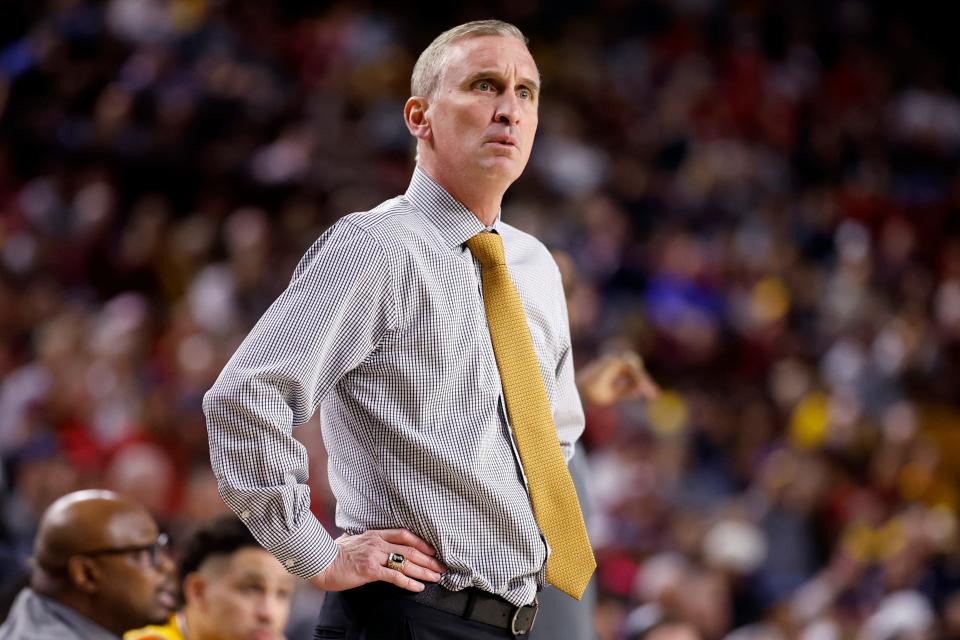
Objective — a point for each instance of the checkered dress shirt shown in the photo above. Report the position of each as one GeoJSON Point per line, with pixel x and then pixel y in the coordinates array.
{"type": "Point", "coordinates": [383, 328]}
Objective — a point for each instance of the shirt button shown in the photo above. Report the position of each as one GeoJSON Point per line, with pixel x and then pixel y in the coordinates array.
{"type": "Point", "coordinates": [245, 515]}
{"type": "Point", "coordinates": [290, 562]}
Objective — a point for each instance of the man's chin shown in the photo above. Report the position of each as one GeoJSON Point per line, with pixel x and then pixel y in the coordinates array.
{"type": "Point", "coordinates": [159, 617]}
{"type": "Point", "coordinates": [166, 603]}
{"type": "Point", "coordinates": [507, 169]}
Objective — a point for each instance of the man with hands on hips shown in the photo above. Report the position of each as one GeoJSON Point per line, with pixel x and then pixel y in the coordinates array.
{"type": "Point", "coordinates": [434, 339]}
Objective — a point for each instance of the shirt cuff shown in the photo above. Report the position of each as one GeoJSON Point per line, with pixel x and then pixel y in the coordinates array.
{"type": "Point", "coordinates": [308, 551]}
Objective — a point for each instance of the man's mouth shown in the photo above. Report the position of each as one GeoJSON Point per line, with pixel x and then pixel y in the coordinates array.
{"type": "Point", "coordinates": [167, 598]}
{"type": "Point", "coordinates": [505, 141]}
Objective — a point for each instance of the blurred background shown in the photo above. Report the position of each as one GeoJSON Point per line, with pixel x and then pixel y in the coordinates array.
{"type": "Point", "coordinates": [761, 198]}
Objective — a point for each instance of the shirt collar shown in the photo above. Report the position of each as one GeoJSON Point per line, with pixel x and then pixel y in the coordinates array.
{"type": "Point", "coordinates": [455, 223]}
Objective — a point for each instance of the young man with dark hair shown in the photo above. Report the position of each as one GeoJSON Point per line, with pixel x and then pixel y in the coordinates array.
{"type": "Point", "coordinates": [232, 588]}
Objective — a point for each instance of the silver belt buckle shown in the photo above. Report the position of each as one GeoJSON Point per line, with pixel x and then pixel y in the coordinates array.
{"type": "Point", "coordinates": [516, 614]}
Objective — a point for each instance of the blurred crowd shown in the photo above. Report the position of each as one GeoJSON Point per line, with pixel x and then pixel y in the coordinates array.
{"type": "Point", "coordinates": [762, 198]}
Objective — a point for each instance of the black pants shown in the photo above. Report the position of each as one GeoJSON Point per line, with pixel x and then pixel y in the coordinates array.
{"type": "Point", "coordinates": [381, 611]}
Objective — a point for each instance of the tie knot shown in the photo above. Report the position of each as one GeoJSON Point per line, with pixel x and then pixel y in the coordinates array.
{"type": "Point", "coordinates": [487, 248]}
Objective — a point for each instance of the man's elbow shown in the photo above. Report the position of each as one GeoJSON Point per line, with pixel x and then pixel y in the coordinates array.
{"type": "Point", "coordinates": [212, 401]}
{"type": "Point", "coordinates": [218, 405]}
{"type": "Point", "coordinates": [229, 386]}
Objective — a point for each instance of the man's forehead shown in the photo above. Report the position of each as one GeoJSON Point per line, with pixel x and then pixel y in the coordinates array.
{"type": "Point", "coordinates": [261, 574]}
{"type": "Point", "coordinates": [494, 53]}
{"type": "Point", "coordinates": [251, 562]}
{"type": "Point", "coordinates": [130, 527]}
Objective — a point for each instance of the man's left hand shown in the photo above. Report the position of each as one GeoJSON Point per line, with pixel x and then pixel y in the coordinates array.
{"type": "Point", "coordinates": [361, 559]}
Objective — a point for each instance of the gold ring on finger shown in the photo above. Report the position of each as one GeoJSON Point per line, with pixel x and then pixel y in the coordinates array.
{"type": "Point", "coordinates": [395, 561]}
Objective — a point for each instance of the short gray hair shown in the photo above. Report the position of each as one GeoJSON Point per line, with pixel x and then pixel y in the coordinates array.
{"type": "Point", "coordinates": [426, 73]}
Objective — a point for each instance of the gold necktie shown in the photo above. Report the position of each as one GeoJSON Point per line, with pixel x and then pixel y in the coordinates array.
{"type": "Point", "coordinates": [552, 493]}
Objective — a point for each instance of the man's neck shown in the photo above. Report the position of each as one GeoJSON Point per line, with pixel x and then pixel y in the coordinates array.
{"type": "Point", "coordinates": [482, 197]}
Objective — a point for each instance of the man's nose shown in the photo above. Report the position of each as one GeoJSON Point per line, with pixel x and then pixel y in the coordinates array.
{"type": "Point", "coordinates": [270, 610]}
{"type": "Point", "coordinates": [264, 615]}
{"type": "Point", "coordinates": [165, 564]}
{"type": "Point", "coordinates": [508, 109]}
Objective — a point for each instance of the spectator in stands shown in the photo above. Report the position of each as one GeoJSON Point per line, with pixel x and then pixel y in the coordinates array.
{"type": "Point", "coordinates": [100, 567]}
{"type": "Point", "coordinates": [232, 587]}
{"type": "Point", "coordinates": [650, 622]}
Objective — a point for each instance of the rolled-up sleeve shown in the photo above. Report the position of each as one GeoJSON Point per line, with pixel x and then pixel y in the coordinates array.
{"type": "Point", "coordinates": [337, 309]}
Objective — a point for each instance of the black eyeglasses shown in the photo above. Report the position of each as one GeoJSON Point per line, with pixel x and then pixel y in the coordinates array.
{"type": "Point", "coordinates": [155, 551]}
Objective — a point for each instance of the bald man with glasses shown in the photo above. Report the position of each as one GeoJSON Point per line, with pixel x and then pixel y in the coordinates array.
{"type": "Point", "coordinates": [100, 567]}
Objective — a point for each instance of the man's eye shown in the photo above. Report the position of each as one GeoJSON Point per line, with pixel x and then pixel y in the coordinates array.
{"type": "Point", "coordinates": [525, 94]}
{"type": "Point", "coordinates": [483, 85]}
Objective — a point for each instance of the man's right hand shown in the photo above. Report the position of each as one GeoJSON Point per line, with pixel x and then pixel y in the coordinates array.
{"type": "Point", "coordinates": [362, 559]}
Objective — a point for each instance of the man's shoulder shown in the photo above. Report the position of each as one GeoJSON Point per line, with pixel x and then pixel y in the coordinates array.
{"type": "Point", "coordinates": [525, 243]}
{"type": "Point", "coordinates": [30, 619]}
{"type": "Point", "coordinates": [383, 219]}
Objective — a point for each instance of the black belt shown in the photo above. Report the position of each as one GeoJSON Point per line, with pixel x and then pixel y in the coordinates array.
{"type": "Point", "coordinates": [473, 604]}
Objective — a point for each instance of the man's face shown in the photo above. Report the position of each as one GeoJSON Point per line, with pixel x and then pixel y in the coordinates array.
{"type": "Point", "coordinates": [137, 586]}
{"type": "Point", "coordinates": [244, 596]}
{"type": "Point", "coordinates": [484, 116]}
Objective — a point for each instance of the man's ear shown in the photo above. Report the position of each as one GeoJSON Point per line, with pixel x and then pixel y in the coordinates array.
{"type": "Point", "coordinates": [194, 587]}
{"type": "Point", "coordinates": [85, 574]}
{"type": "Point", "coordinates": [417, 118]}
